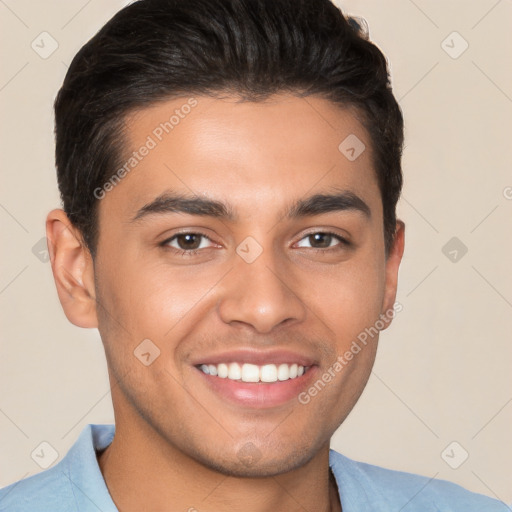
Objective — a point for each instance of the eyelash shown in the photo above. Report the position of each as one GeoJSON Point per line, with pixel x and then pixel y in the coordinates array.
{"type": "Point", "coordinates": [183, 252]}
{"type": "Point", "coordinates": [193, 252]}
{"type": "Point", "coordinates": [343, 241]}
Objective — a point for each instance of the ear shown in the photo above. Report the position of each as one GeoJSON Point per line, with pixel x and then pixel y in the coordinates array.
{"type": "Point", "coordinates": [73, 270]}
{"type": "Point", "coordinates": [392, 265]}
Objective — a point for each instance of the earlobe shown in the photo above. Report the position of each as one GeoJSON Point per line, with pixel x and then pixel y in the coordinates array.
{"type": "Point", "coordinates": [392, 267]}
{"type": "Point", "coordinates": [73, 270]}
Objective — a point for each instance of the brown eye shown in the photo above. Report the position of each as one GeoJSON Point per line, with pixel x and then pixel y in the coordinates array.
{"type": "Point", "coordinates": [324, 240]}
{"type": "Point", "coordinates": [321, 240]}
{"type": "Point", "coordinates": [187, 243]}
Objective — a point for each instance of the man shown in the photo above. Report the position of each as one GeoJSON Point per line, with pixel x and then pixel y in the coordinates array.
{"type": "Point", "coordinates": [229, 171]}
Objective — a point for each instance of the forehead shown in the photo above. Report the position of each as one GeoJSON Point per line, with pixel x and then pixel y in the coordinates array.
{"type": "Point", "coordinates": [253, 155]}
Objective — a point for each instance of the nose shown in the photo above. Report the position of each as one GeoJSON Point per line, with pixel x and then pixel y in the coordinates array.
{"type": "Point", "coordinates": [261, 295]}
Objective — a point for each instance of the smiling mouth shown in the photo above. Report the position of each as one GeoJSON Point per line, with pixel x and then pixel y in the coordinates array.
{"type": "Point", "coordinates": [253, 373]}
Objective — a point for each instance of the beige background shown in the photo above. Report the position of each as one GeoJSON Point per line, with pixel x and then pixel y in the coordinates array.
{"type": "Point", "coordinates": [443, 369]}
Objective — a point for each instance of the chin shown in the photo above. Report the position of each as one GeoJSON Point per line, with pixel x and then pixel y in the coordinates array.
{"type": "Point", "coordinates": [249, 461]}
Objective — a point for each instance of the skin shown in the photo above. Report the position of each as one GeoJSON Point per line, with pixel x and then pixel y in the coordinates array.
{"type": "Point", "coordinates": [177, 442]}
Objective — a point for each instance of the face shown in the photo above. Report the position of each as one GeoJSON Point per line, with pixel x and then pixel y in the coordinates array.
{"type": "Point", "coordinates": [238, 261]}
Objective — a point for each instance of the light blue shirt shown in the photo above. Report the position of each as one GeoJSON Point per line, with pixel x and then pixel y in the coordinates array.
{"type": "Point", "coordinates": [76, 484]}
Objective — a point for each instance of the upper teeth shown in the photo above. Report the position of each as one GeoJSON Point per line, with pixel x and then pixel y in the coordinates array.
{"type": "Point", "coordinates": [254, 373]}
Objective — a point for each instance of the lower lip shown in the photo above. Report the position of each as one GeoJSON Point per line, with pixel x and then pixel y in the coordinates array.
{"type": "Point", "coordinates": [259, 395]}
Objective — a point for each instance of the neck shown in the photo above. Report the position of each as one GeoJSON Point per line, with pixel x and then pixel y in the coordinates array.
{"type": "Point", "coordinates": [144, 472]}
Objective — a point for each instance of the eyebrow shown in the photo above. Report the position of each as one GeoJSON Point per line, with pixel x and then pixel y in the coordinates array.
{"type": "Point", "coordinates": [171, 202]}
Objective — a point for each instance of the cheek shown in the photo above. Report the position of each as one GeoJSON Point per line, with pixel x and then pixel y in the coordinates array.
{"type": "Point", "coordinates": [149, 299]}
{"type": "Point", "coordinates": [154, 302]}
{"type": "Point", "coordinates": [165, 300]}
{"type": "Point", "coordinates": [348, 298]}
